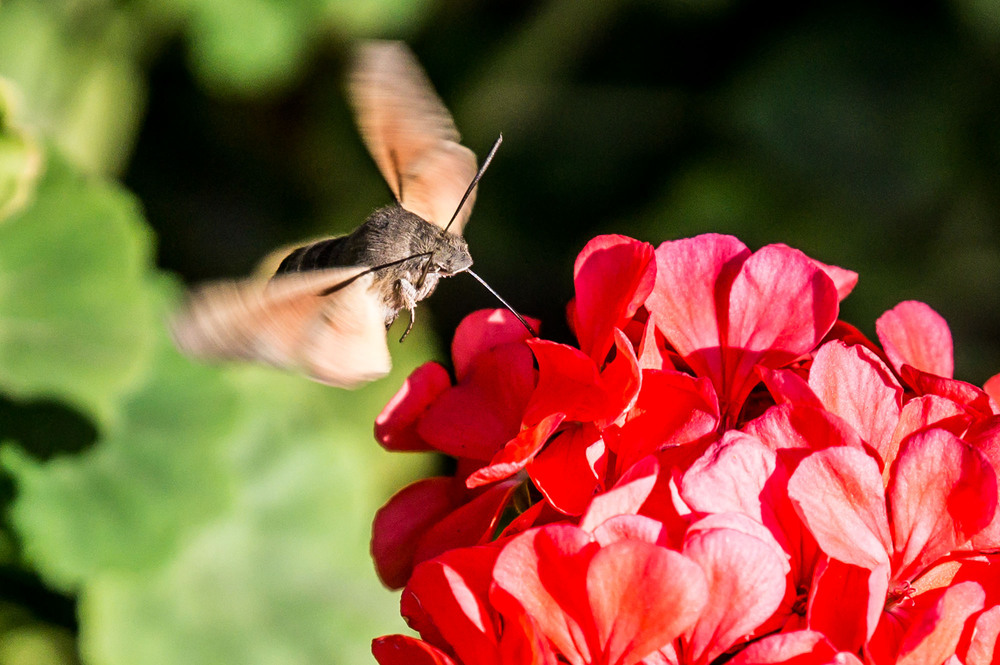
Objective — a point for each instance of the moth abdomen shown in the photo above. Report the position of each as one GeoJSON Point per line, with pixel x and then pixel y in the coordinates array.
{"type": "Point", "coordinates": [317, 256]}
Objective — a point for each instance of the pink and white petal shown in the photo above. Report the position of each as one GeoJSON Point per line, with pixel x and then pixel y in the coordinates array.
{"type": "Point", "coordinates": [934, 636]}
{"type": "Point", "coordinates": [800, 647]}
{"type": "Point", "coordinates": [780, 307]}
{"type": "Point", "coordinates": [802, 427]}
{"type": "Point", "coordinates": [788, 387]}
{"type": "Point", "coordinates": [746, 583]}
{"type": "Point", "coordinates": [630, 527]}
{"type": "Point", "coordinates": [546, 570]}
{"type": "Point", "coordinates": [914, 334]}
{"type": "Point", "coordinates": [396, 425]}
{"type": "Point", "coordinates": [942, 492]}
{"type": "Point", "coordinates": [839, 495]}
{"type": "Point", "coordinates": [693, 278]}
{"type": "Point", "coordinates": [855, 385]}
{"type": "Point", "coordinates": [626, 497]}
{"type": "Point", "coordinates": [922, 413]}
{"type": "Point", "coordinates": [982, 649]}
{"type": "Point", "coordinates": [730, 476]}
{"type": "Point", "coordinates": [407, 650]}
{"type": "Point", "coordinates": [483, 330]}
{"type": "Point", "coordinates": [612, 275]}
{"type": "Point", "coordinates": [642, 596]}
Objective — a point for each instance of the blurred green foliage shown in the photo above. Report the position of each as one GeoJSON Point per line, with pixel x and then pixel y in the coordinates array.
{"type": "Point", "coordinates": [159, 511]}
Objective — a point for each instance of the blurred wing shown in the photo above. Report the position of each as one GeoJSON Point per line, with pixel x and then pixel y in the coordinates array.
{"type": "Point", "coordinates": [410, 134]}
{"type": "Point", "coordinates": [337, 338]}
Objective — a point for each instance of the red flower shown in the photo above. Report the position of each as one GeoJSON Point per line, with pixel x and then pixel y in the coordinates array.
{"type": "Point", "coordinates": [640, 499]}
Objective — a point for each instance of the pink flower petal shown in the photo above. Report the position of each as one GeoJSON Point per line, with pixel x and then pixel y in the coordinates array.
{"type": "Point", "coordinates": [407, 650]}
{"type": "Point", "coordinates": [642, 596]}
{"type": "Point", "coordinates": [746, 583]}
{"type": "Point", "coordinates": [942, 493]}
{"type": "Point", "coordinates": [838, 492]}
{"type": "Point", "coordinates": [855, 385]}
{"type": "Point", "coordinates": [933, 635]}
{"type": "Point", "coordinates": [780, 307]}
{"type": "Point", "coordinates": [626, 497]}
{"type": "Point", "coordinates": [798, 426]}
{"type": "Point", "coordinates": [974, 400]}
{"type": "Point", "coordinates": [787, 387]}
{"type": "Point", "coordinates": [475, 418]}
{"type": "Point", "coordinates": [992, 388]}
{"type": "Point", "coordinates": [484, 330]}
{"type": "Point", "coordinates": [612, 275]}
{"type": "Point", "coordinates": [982, 648]}
{"type": "Point", "coordinates": [801, 647]}
{"type": "Point", "coordinates": [693, 277]}
{"type": "Point", "coordinates": [396, 426]}
{"type": "Point", "coordinates": [546, 570]}
{"type": "Point", "coordinates": [730, 477]}
{"type": "Point", "coordinates": [630, 527]}
{"type": "Point", "coordinates": [914, 334]}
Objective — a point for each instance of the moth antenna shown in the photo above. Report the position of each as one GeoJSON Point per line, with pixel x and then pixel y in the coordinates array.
{"type": "Point", "coordinates": [346, 282]}
{"type": "Point", "coordinates": [475, 181]}
{"type": "Point", "coordinates": [505, 303]}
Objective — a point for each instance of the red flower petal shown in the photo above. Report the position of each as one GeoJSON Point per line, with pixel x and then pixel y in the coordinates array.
{"type": "Point", "coordinates": [799, 426]}
{"type": "Point", "coordinates": [992, 388]}
{"type": "Point", "coordinates": [406, 650]}
{"type": "Point", "coordinates": [982, 649]}
{"type": "Point", "coordinates": [974, 400]}
{"type": "Point", "coordinates": [475, 418]}
{"type": "Point", "coordinates": [626, 497]}
{"type": "Point", "coordinates": [567, 471]}
{"type": "Point", "coordinates": [839, 494]}
{"type": "Point", "coordinates": [787, 387]}
{"type": "Point", "coordinates": [612, 275]}
{"type": "Point", "coordinates": [403, 521]}
{"type": "Point", "coordinates": [446, 602]}
{"type": "Point", "coordinates": [484, 330]}
{"type": "Point", "coordinates": [846, 601]}
{"type": "Point", "coordinates": [942, 493]}
{"type": "Point", "coordinates": [396, 426]}
{"type": "Point", "coordinates": [914, 334]}
{"type": "Point", "coordinates": [517, 453]}
{"type": "Point", "coordinates": [672, 409]}
{"type": "Point", "coordinates": [855, 385]}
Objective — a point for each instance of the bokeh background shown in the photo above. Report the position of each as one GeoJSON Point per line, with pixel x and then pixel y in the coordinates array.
{"type": "Point", "coordinates": [158, 511]}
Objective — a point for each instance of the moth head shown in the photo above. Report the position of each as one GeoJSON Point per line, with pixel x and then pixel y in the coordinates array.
{"type": "Point", "coordinates": [451, 256]}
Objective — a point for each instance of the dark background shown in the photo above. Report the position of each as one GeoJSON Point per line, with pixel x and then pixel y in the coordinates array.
{"type": "Point", "coordinates": [865, 134]}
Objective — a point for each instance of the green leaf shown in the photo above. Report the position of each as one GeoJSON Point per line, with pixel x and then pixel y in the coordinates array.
{"type": "Point", "coordinates": [75, 319]}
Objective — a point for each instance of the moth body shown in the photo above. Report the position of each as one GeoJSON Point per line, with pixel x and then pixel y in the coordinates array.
{"type": "Point", "coordinates": [415, 255]}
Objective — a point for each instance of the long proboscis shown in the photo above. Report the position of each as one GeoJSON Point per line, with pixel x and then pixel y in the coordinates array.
{"type": "Point", "coordinates": [504, 302]}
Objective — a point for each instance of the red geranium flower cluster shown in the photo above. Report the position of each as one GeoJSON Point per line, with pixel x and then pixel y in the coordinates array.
{"type": "Point", "coordinates": [721, 472]}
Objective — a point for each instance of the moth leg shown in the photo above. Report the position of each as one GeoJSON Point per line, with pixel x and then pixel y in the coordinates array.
{"type": "Point", "coordinates": [409, 295]}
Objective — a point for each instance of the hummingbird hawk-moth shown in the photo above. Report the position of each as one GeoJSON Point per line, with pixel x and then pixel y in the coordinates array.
{"type": "Point", "coordinates": [326, 309]}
